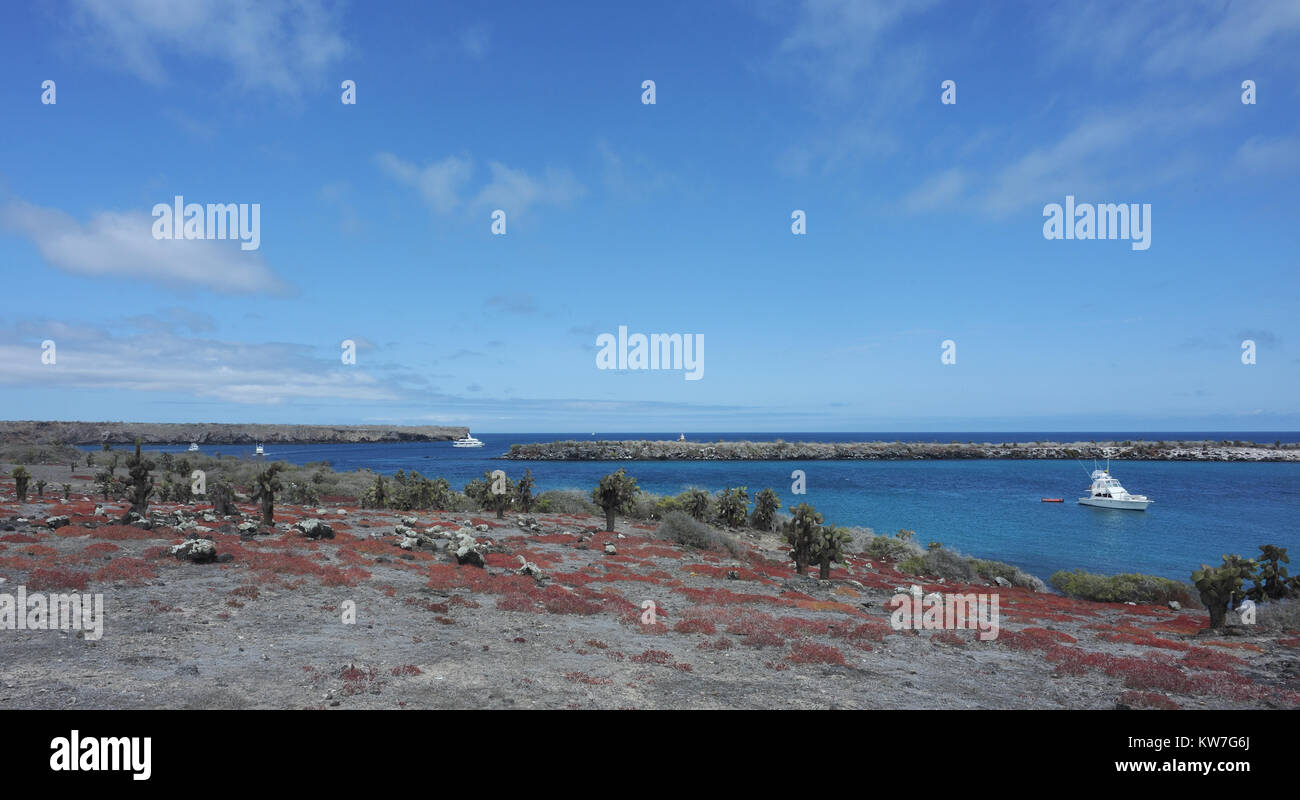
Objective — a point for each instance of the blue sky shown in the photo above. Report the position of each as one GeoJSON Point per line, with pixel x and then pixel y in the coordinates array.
{"type": "Point", "coordinates": [924, 220]}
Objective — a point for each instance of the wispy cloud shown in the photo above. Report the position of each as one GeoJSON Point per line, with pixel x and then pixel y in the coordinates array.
{"type": "Point", "coordinates": [1265, 155]}
{"type": "Point", "coordinates": [1193, 38]}
{"type": "Point", "coordinates": [514, 303]}
{"type": "Point", "coordinates": [121, 244]}
{"type": "Point", "coordinates": [160, 361]}
{"type": "Point", "coordinates": [277, 45]}
{"type": "Point", "coordinates": [442, 184]}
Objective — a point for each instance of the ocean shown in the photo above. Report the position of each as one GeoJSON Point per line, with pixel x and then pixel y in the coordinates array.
{"type": "Point", "coordinates": [985, 508]}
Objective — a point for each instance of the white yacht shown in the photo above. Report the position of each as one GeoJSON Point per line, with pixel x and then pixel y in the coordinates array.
{"type": "Point", "coordinates": [194, 447]}
{"type": "Point", "coordinates": [1106, 492]}
{"type": "Point", "coordinates": [259, 451]}
{"type": "Point", "coordinates": [468, 441]}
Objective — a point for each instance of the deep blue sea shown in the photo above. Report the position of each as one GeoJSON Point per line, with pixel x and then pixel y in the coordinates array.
{"type": "Point", "coordinates": [989, 509]}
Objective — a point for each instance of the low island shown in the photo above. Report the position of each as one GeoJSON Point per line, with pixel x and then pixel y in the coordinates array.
{"type": "Point", "coordinates": [778, 450]}
{"type": "Point", "coordinates": [154, 433]}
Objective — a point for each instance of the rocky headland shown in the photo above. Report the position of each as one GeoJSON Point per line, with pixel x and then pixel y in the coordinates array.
{"type": "Point", "coordinates": [37, 432]}
{"type": "Point", "coordinates": [897, 451]}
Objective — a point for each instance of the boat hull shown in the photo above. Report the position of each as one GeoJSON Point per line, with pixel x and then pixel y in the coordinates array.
{"type": "Point", "coordinates": [1110, 502]}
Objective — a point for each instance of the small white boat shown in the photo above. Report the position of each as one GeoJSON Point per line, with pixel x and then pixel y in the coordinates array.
{"type": "Point", "coordinates": [1106, 492]}
{"type": "Point", "coordinates": [194, 447]}
{"type": "Point", "coordinates": [468, 441]}
{"type": "Point", "coordinates": [681, 438]}
{"type": "Point", "coordinates": [259, 451]}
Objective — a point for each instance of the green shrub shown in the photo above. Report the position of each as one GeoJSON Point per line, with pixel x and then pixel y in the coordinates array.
{"type": "Point", "coordinates": [565, 501]}
{"type": "Point", "coordinates": [690, 532]}
{"type": "Point", "coordinates": [890, 548]}
{"type": "Point", "coordinates": [1124, 588]}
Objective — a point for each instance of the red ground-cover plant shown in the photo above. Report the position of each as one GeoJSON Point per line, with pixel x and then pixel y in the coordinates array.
{"type": "Point", "coordinates": [1186, 624]}
{"type": "Point", "coordinates": [1153, 700]}
{"type": "Point", "coordinates": [696, 625]}
{"type": "Point", "coordinates": [721, 643]}
{"type": "Point", "coordinates": [1290, 642]}
{"type": "Point", "coordinates": [19, 538]}
{"type": "Point", "coordinates": [69, 531]}
{"type": "Point", "coordinates": [795, 627]}
{"type": "Point", "coordinates": [119, 533]}
{"type": "Point", "coordinates": [947, 637]}
{"type": "Point", "coordinates": [247, 590]}
{"type": "Point", "coordinates": [42, 579]}
{"type": "Point", "coordinates": [336, 576]}
{"type": "Point", "coordinates": [1034, 639]}
{"type": "Point", "coordinates": [427, 605]}
{"type": "Point", "coordinates": [582, 677]}
{"type": "Point", "coordinates": [126, 570]}
{"type": "Point", "coordinates": [39, 551]}
{"type": "Point", "coordinates": [653, 657]}
{"type": "Point", "coordinates": [406, 671]}
{"type": "Point", "coordinates": [19, 563]}
{"type": "Point", "coordinates": [99, 550]}
{"type": "Point", "coordinates": [1204, 658]}
{"type": "Point", "coordinates": [813, 653]}
{"type": "Point", "coordinates": [1127, 634]}
{"type": "Point", "coordinates": [717, 597]}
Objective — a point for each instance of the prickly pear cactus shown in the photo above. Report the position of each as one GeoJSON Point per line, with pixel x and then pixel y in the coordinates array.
{"type": "Point", "coordinates": [1221, 585]}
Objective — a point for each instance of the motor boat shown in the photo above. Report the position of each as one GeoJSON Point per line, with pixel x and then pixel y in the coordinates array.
{"type": "Point", "coordinates": [1106, 492]}
{"type": "Point", "coordinates": [194, 447]}
{"type": "Point", "coordinates": [467, 441]}
{"type": "Point", "coordinates": [259, 451]}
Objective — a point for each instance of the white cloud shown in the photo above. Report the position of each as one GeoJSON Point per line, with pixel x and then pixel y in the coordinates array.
{"type": "Point", "coordinates": [441, 184]}
{"type": "Point", "coordinates": [939, 191]}
{"type": "Point", "coordinates": [121, 244]}
{"type": "Point", "coordinates": [438, 183]}
{"type": "Point", "coordinates": [1260, 154]}
{"type": "Point", "coordinates": [516, 190]}
{"type": "Point", "coordinates": [836, 39]}
{"type": "Point", "coordinates": [1193, 37]}
{"type": "Point", "coordinates": [278, 45]}
{"type": "Point", "coordinates": [163, 362]}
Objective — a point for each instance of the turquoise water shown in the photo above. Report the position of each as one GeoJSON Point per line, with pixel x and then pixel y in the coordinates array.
{"type": "Point", "coordinates": [985, 508]}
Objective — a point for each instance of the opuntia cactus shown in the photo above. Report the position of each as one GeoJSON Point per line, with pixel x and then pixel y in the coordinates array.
{"type": "Point", "coordinates": [139, 467]}
{"type": "Point", "coordinates": [1273, 582]}
{"type": "Point", "coordinates": [801, 533]}
{"type": "Point", "coordinates": [1221, 585]}
{"type": "Point", "coordinates": [615, 493]}
{"type": "Point", "coordinates": [765, 505]}
{"type": "Point", "coordinates": [223, 499]}
{"type": "Point", "coordinates": [733, 506]}
{"type": "Point", "coordinates": [268, 483]}
{"type": "Point", "coordinates": [828, 548]}
{"type": "Point", "coordinates": [21, 478]}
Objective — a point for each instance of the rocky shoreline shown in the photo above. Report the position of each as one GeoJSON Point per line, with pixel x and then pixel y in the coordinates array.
{"type": "Point", "coordinates": [897, 451]}
{"type": "Point", "coordinates": [37, 432]}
